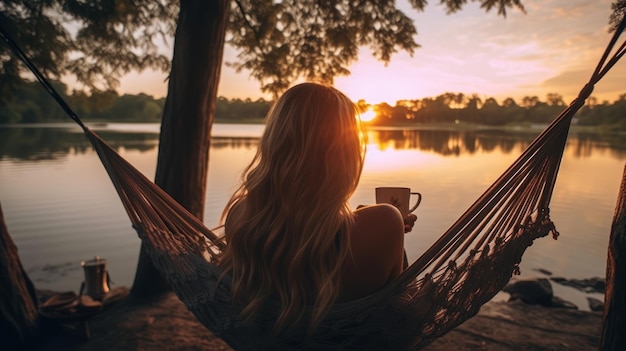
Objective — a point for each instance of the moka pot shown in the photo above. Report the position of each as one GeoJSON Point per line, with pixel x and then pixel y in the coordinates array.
{"type": "Point", "coordinates": [96, 282]}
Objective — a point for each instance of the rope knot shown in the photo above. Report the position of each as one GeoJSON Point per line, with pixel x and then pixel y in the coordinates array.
{"type": "Point", "coordinates": [585, 92]}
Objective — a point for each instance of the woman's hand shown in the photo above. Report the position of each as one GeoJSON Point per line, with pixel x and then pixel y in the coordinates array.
{"type": "Point", "coordinates": [409, 222]}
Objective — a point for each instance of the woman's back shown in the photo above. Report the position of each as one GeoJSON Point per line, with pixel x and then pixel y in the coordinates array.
{"type": "Point", "coordinates": [289, 230]}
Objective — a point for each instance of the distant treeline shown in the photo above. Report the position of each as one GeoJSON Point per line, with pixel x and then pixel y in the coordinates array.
{"type": "Point", "coordinates": [30, 103]}
{"type": "Point", "coordinates": [459, 108]}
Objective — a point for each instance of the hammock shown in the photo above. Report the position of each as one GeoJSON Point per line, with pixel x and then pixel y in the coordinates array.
{"type": "Point", "coordinates": [471, 262]}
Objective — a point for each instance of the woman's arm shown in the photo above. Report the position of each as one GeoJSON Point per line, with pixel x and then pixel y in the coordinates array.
{"type": "Point", "coordinates": [377, 246]}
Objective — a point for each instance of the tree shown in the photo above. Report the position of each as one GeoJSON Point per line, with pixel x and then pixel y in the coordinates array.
{"type": "Point", "coordinates": [183, 160]}
{"type": "Point", "coordinates": [277, 42]}
{"type": "Point", "coordinates": [113, 38]}
{"type": "Point", "coordinates": [509, 102]}
{"type": "Point", "coordinates": [474, 103]}
{"type": "Point", "coordinates": [139, 107]}
{"type": "Point", "coordinates": [384, 113]}
{"type": "Point", "coordinates": [554, 99]}
{"type": "Point", "coordinates": [615, 297]}
{"type": "Point", "coordinates": [490, 113]}
{"type": "Point", "coordinates": [19, 316]}
{"type": "Point", "coordinates": [530, 101]}
{"type": "Point", "coordinates": [459, 100]}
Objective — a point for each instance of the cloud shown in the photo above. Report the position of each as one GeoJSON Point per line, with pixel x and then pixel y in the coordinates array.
{"type": "Point", "coordinates": [553, 48]}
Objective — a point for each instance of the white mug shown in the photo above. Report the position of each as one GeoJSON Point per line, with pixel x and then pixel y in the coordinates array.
{"type": "Point", "coordinates": [398, 197]}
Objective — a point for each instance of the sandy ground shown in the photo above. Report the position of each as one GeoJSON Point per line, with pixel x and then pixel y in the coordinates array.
{"type": "Point", "coordinates": [166, 324]}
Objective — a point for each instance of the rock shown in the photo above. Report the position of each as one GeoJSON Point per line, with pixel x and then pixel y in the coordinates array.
{"type": "Point", "coordinates": [595, 304]}
{"type": "Point", "coordinates": [598, 284]}
{"type": "Point", "coordinates": [591, 285]}
{"type": "Point", "coordinates": [543, 271]}
{"type": "Point", "coordinates": [503, 326]}
{"type": "Point", "coordinates": [558, 302]}
{"type": "Point", "coordinates": [531, 291]}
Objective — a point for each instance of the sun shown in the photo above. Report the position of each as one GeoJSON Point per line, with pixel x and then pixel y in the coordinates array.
{"type": "Point", "coordinates": [368, 115]}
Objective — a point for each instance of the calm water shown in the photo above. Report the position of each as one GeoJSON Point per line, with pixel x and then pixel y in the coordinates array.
{"type": "Point", "coordinates": [61, 208]}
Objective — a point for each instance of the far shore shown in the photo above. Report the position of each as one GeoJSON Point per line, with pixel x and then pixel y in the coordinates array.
{"type": "Point", "coordinates": [534, 128]}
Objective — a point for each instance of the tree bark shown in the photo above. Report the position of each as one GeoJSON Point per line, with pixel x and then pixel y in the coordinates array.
{"type": "Point", "coordinates": [614, 323]}
{"type": "Point", "coordinates": [19, 317]}
{"type": "Point", "coordinates": [183, 159]}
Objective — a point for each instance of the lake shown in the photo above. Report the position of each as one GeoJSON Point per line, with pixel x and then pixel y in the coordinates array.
{"type": "Point", "coordinates": [61, 208]}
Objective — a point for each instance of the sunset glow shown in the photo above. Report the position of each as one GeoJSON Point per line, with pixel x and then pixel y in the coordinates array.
{"type": "Point", "coordinates": [378, 161]}
{"type": "Point", "coordinates": [553, 48]}
{"type": "Point", "coordinates": [368, 115]}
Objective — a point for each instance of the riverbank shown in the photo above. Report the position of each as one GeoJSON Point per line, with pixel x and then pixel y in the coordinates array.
{"type": "Point", "coordinates": [534, 128]}
{"type": "Point", "coordinates": [166, 324]}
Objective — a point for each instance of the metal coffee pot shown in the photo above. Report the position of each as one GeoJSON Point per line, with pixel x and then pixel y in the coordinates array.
{"type": "Point", "coordinates": [96, 278]}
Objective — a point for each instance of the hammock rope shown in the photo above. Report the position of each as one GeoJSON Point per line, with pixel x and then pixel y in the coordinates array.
{"type": "Point", "coordinates": [470, 263]}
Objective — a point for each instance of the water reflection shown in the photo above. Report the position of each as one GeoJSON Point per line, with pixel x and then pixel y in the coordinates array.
{"type": "Point", "coordinates": [457, 143]}
{"type": "Point", "coordinates": [234, 143]}
{"type": "Point", "coordinates": [36, 144]}
{"type": "Point", "coordinates": [449, 143]}
{"type": "Point", "coordinates": [39, 144]}
{"type": "Point", "coordinates": [61, 206]}
{"type": "Point", "coordinates": [585, 144]}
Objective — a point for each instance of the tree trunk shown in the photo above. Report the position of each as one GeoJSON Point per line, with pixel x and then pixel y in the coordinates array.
{"type": "Point", "coordinates": [19, 318]}
{"type": "Point", "coordinates": [183, 159]}
{"type": "Point", "coordinates": [613, 337]}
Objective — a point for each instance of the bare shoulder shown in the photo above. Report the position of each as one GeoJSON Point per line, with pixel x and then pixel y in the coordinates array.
{"type": "Point", "coordinates": [379, 216]}
{"type": "Point", "coordinates": [378, 227]}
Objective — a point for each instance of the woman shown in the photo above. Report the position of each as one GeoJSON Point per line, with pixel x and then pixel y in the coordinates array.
{"type": "Point", "coordinates": [290, 232]}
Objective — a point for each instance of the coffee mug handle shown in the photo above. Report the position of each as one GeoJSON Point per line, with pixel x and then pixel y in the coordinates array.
{"type": "Point", "coordinates": [419, 200]}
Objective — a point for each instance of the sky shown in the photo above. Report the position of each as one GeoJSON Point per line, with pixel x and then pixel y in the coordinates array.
{"type": "Point", "coordinates": [552, 48]}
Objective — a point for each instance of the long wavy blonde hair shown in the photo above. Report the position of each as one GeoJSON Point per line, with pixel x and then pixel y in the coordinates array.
{"type": "Point", "coordinates": [287, 227]}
